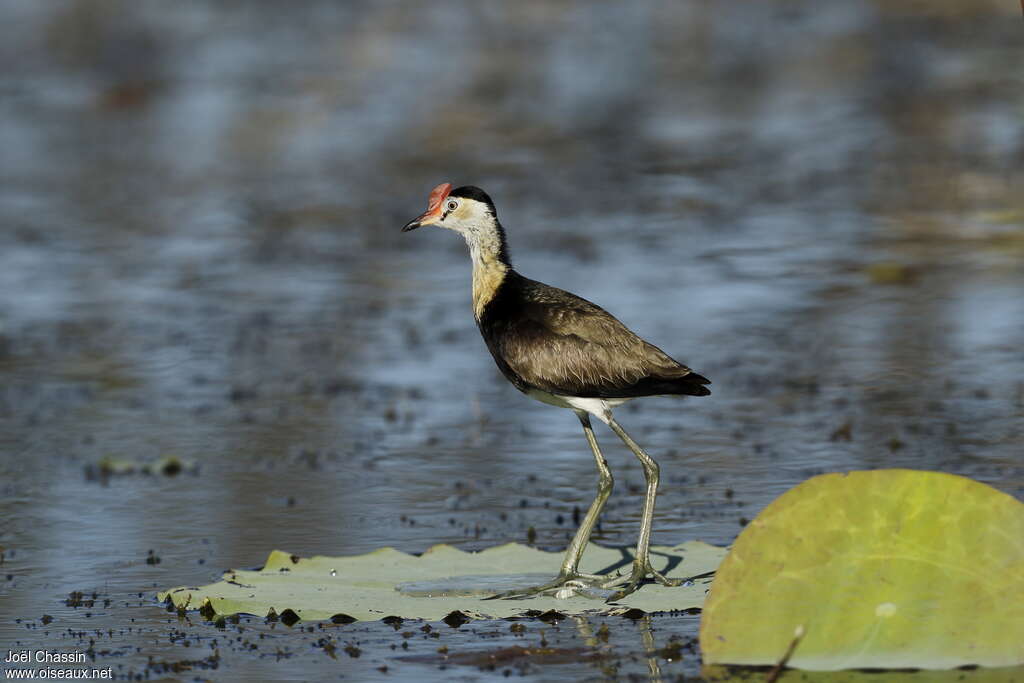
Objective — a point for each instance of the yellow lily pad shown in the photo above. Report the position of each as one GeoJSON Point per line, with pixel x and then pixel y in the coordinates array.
{"type": "Point", "coordinates": [882, 569]}
{"type": "Point", "coordinates": [363, 587]}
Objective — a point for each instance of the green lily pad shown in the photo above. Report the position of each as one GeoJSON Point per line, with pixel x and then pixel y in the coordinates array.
{"type": "Point", "coordinates": [363, 587]}
{"type": "Point", "coordinates": [881, 569]}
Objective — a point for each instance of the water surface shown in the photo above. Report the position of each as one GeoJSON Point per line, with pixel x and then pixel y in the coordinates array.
{"type": "Point", "coordinates": [817, 205]}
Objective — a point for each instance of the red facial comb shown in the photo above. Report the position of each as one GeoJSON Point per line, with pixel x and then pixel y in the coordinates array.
{"type": "Point", "coordinates": [437, 196]}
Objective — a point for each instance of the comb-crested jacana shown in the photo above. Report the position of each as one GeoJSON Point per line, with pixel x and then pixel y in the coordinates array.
{"type": "Point", "coordinates": [564, 351]}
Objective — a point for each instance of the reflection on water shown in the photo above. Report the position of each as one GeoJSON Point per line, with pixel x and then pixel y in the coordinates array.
{"type": "Point", "coordinates": [818, 206]}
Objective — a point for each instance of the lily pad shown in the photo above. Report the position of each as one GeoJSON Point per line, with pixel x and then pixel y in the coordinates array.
{"type": "Point", "coordinates": [881, 569]}
{"type": "Point", "coordinates": [364, 587]}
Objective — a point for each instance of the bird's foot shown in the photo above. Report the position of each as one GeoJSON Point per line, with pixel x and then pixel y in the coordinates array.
{"type": "Point", "coordinates": [565, 585]}
{"type": "Point", "coordinates": [641, 570]}
{"type": "Point", "coordinates": [598, 587]}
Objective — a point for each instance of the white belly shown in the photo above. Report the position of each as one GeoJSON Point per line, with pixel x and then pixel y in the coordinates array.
{"type": "Point", "coordinates": [601, 408]}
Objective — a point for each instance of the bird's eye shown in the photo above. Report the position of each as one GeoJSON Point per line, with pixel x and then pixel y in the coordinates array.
{"type": "Point", "coordinates": [452, 205]}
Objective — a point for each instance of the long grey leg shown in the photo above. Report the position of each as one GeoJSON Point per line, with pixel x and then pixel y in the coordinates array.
{"type": "Point", "coordinates": [604, 489]}
{"type": "Point", "coordinates": [569, 574]}
{"type": "Point", "coordinates": [642, 563]}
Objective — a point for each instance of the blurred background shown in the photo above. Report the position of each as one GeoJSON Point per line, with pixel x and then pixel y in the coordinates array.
{"type": "Point", "coordinates": [819, 205]}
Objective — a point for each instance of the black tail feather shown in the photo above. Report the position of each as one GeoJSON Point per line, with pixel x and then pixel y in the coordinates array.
{"type": "Point", "coordinates": [687, 385]}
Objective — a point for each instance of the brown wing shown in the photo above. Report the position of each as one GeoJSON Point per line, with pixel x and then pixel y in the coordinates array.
{"type": "Point", "coordinates": [566, 345]}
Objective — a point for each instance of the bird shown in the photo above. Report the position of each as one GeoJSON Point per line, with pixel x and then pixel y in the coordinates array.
{"type": "Point", "coordinates": [565, 351]}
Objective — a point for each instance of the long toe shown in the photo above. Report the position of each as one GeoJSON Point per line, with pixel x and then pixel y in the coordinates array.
{"type": "Point", "coordinates": [631, 585]}
{"type": "Point", "coordinates": [612, 582]}
{"type": "Point", "coordinates": [636, 578]}
{"type": "Point", "coordinates": [562, 586]}
{"type": "Point", "coordinates": [662, 579]}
